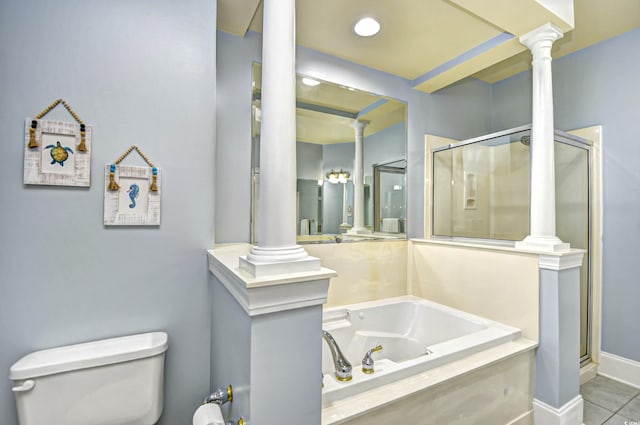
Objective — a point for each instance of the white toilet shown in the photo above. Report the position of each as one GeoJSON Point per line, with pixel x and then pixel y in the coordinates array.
{"type": "Point", "coordinates": [116, 381]}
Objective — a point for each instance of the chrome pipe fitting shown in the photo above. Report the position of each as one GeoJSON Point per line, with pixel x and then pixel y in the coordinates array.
{"type": "Point", "coordinates": [220, 396]}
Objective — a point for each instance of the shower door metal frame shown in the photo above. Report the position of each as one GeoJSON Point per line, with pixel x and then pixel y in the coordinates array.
{"type": "Point", "coordinates": [578, 142]}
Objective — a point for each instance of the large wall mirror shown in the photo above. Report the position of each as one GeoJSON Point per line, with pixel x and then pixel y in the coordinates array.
{"type": "Point", "coordinates": [325, 113]}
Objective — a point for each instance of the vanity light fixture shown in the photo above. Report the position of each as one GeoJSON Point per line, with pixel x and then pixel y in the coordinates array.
{"type": "Point", "coordinates": [310, 82]}
{"type": "Point", "coordinates": [338, 176]}
{"type": "Point", "coordinates": [366, 27]}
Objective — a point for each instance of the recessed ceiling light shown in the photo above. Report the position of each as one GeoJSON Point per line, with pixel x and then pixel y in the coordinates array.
{"type": "Point", "coordinates": [310, 81]}
{"type": "Point", "coordinates": [366, 27]}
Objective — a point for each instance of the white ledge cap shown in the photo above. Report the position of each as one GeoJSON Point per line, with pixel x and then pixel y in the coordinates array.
{"type": "Point", "coordinates": [270, 293]}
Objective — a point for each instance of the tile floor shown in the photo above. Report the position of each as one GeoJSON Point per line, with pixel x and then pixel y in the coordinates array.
{"type": "Point", "coordinates": [609, 402]}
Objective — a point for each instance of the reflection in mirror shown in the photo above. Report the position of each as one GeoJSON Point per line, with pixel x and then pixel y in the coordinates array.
{"type": "Point", "coordinates": [325, 113]}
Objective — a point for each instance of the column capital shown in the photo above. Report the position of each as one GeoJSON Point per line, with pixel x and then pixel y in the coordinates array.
{"type": "Point", "coordinates": [547, 33]}
{"type": "Point", "coordinates": [359, 125]}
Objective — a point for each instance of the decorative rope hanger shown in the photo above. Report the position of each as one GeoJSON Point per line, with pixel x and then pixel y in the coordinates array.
{"type": "Point", "coordinates": [82, 147]}
{"type": "Point", "coordinates": [112, 169]}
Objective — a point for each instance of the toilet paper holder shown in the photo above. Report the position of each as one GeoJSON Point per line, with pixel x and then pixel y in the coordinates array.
{"type": "Point", "coordinates": [220, 396]}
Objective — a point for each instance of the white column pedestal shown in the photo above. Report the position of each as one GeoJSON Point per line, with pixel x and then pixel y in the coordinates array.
{"type": "Point", "coordinates": [542, 243]}
{"type": "Point", "coordinates": [267, 262]}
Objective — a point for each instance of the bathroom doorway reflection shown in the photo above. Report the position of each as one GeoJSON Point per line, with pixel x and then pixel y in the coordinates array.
{"type": "Point", "coordinates": [389, 208]}
{"type": "Point", "coordinates": [481, 192]}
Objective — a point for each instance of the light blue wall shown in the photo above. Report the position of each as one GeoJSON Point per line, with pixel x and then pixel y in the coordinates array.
{"type": "Point", "coordinates": [557, 369]}
{"type": "Point", "coordinates": [309, 161]}
{"type": "Point", "coordinates": [599, 86]}
{"type": "Point", "coordinates": [383, 146]}
{"type": "Point", "coordinates": [460, 111]}
{"type": "Point", "coordinates": [140, 72]}
{"type": "Point", "coordinates": [337, 156]}
{"type": "Point", "coordinates": [230, 349]}
{"type": "Point", "coordinates": [233, 135]}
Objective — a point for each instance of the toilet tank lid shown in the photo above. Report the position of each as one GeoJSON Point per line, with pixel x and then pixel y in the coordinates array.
{"type": "Point", "coordinates": [89, 354]}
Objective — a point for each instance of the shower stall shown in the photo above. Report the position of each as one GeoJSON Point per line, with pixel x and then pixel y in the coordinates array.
{"type": "Point", "coordinates": [481, 192]}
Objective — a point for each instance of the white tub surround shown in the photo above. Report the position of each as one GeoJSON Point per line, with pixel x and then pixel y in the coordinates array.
{"type": "Point", "coordinates": [496, 282]}
{"type": "Point", "coordinates": [367, 271]}
{"type": "Point", "coordinates": [543, 196]}
{"type": "Point", "coordinates": [358, 180]}
{"type": "Point", "coordinates": [277, 251]}
{"type": "Point", "coordinates": [450, 393]}
{"type": "Point", "coordinates": [557, 394]}
{"type": "Point", "coordinates": [257, 324]}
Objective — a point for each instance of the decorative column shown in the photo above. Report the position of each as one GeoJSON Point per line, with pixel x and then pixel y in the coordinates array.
{"type": "Point", "coordinates": [358, 180]}
{"type": "Point", "coordinates": [345, 208]}
{"type": "Point", "coordinates": [542, 235]}
{"type": "Point", "coordinates": [277, 251]}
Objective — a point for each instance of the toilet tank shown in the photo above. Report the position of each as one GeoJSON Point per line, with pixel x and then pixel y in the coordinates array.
{"type": "Point", "coordinates": [117, 381]}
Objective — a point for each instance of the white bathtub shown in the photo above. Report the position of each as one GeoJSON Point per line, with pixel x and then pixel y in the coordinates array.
{"type": "Point", "coordinates": [416, 335]}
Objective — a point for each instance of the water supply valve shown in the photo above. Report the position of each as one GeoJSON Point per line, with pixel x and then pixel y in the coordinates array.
{"type": "Point", "coordinates": [367, 361]}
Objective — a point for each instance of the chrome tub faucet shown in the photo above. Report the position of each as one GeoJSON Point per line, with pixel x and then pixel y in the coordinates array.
{"type": "Point", "coordinates": [340, 362]}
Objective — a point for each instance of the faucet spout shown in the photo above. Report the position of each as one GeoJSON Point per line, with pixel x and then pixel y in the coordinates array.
{"type": "Point", "coordinates": [340, 362]}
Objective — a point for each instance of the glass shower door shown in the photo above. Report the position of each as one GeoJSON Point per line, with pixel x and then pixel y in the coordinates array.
{"type": "Point", "coordinates": [481, 191]}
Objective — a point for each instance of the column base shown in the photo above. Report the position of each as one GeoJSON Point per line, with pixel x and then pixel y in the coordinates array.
{"type": "Point", "coordinates": [569, 414]}
{"type": "Point", "coordinates": [543, 244]}
{"type": "Point", "coordinates": [275, 261]}
{"type": "Point", "coordinates": [359, 231]}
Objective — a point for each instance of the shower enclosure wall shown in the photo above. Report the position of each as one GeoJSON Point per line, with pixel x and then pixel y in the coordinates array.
{"type": "Point", "coordinates": [481, 191]}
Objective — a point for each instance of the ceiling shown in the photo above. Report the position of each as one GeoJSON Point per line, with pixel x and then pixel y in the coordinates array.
{"type": "Point", "coordinates": [325, 112]}
{"type": "Point", "coordinates": [435, 43]}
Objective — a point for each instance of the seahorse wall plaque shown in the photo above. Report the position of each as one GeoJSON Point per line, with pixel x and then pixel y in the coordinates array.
{"type": "Point", "coordinates": [55, 152]}
{"type": "Point", "coordinates": [132, 193]}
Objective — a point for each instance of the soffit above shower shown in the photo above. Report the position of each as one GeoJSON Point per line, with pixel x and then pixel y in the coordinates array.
{"type": "Point", "coordinates": [435, 43]}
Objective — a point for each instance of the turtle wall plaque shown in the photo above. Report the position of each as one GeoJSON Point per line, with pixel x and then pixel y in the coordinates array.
{"type": "Point", "coordinates": [55, 152]}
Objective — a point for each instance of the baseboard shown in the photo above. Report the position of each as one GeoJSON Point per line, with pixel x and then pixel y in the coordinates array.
{"type": "Point", "coordinates": [588, 372]}
{"type": "Point", "coordinates": [524, 419]}
{"type": "Point", "coordinates": [619, 368]}
{"type": "Point", "coordinates": [569, 414]}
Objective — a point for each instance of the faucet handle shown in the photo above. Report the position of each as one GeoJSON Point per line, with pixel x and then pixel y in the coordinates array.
{"type": "Point", "coordinates": [367, 361]}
